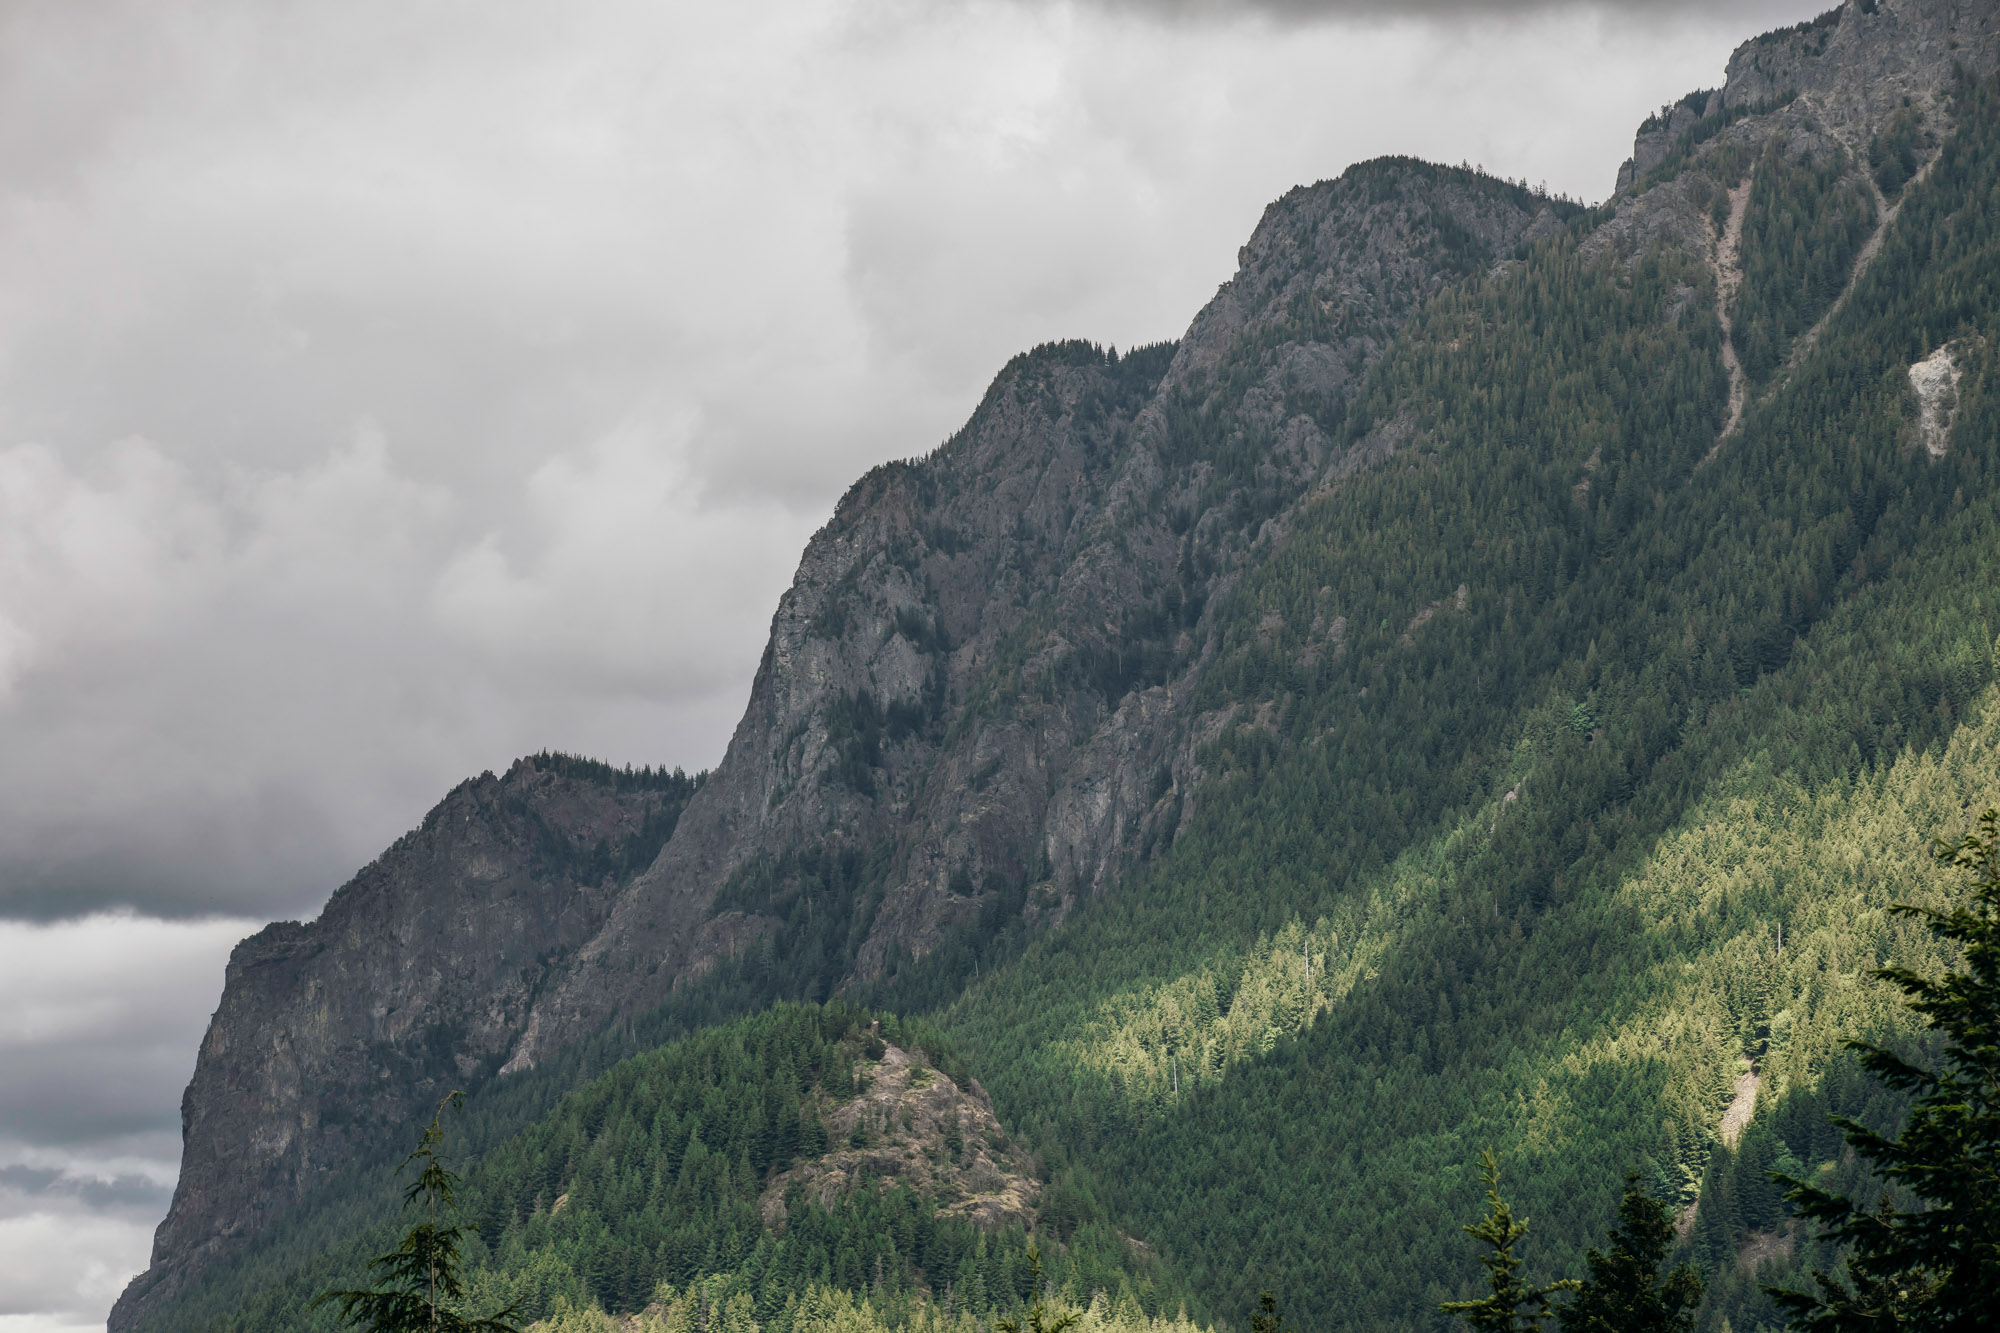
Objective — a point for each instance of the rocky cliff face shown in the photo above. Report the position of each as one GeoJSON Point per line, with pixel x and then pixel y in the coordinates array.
{"type": "Point", "coordinates": [976, 700]}
{"type": "Point", "coordinates": [976, 682]}
{"type": "Point", "coordinates": [1844, 74]}
{"type": "Point", "coordinates": [1860, 93]}
{"type": "Point", "coordinates": [418, 977]}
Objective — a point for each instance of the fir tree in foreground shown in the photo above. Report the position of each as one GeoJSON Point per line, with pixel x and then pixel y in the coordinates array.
{"type": "Point", "coordinates": [419, 1284]}
{"type": "Point", "coordinates": [1267, 1319]}
{"type": "Point", "coordinates": [1625, 1292]}
{"type": "Point", "coordinates": [1041, 1317]}
{"type": "Point", "coordinates": [1512, 1306]}
{"type": "Point", "coordinates": [1937, 1267]}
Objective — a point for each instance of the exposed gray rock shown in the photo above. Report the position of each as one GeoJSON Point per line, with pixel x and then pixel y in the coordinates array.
{"type": "Point", "coordinates": [913, 1126]}
{"type": "Point", "coordinates": [419, 976]}
{"type": "Point", "coordinates": [1935, 382]}
{"type": "Point", "coordinates": [1855, 64]}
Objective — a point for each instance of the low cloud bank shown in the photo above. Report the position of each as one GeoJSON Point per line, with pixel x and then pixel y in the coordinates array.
{"type": "Point", "coordinates": [99, 1022]}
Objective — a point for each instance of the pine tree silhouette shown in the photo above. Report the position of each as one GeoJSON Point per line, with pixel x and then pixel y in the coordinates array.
{"type": "Point", "coordinates": [419, 1283]}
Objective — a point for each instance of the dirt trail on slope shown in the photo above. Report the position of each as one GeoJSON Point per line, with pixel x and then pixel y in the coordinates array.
{"type": "Point", "coordinates": [1725, 261]}
{"type": "Point", "coordinates": [1885, 217]}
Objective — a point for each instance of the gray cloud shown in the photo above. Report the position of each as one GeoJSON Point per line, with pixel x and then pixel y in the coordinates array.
{"type": "Point", "coordinates": [1752, 15]}
{"type": "Point", "coordinates": [385, 393]}
{"type": "Point", "coordinates": [33, 1186]}
{"type": "Point", "coordinates": [99, 1020]}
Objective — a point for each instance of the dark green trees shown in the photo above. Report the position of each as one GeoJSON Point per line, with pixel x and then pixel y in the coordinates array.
{"type": "Point", "coordinates": [1803, 226]}
{"type": "Point", "coordinates": [1040, 1318]}
{"type": "Point", "coordinates": [1937, 1267]}
{"type": "Point", "coordinates": [1625, 1292]}
{"type": "Point", "coordinates": [419, 1283]}
{"type": "Point", "coordinates": [1512, 1305]}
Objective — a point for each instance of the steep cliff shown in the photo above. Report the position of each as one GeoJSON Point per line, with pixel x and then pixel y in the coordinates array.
{"type": "Point", "coordinates": [976, 682]}
{"type": "Point", "coordinates": [973, 691]}
{"type": "Point", "coordinates": [418, 976]}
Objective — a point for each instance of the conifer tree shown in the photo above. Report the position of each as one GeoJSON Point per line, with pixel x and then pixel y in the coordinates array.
{"type": "Point", "coordinates": [1937, 1267]}
{"type": "Point", "coordinates": [1624, 1292]}
{"type": "Point", "coordinates": [419, 1283]}
{"type": "Point", "coordinates": [1512, 1306]}
{"type": "Point", "coordinates": [1267, 1319]}
{"type": "Point", "coordinates": [1039, 1318]}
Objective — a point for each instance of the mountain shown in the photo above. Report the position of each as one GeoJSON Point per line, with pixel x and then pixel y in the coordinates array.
{"type": "Point", "coordinates": [416, 976]}
{"type": "Point", "coordinates": [1482, 684]}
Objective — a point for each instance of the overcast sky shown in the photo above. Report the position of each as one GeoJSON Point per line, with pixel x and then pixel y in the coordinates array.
{"type": "Point", "coordinates": [389, 389]}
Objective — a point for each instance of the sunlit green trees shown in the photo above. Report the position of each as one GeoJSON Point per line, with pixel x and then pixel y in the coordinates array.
{"type": "Point", "coordinates": [1937, 1267]}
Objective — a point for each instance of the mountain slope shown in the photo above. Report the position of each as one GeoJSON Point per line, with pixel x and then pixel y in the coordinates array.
{"type": "Point", "coordinates": [891, 779]}
{"type": "Point", "coordinates": [891, 719]}
{"type": "Point", "coordinates": [1280, 729]}
{"type": "Point", "coordinates": [1579, 959]}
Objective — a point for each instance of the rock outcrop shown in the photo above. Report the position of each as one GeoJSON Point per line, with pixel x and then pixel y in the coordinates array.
{"type": "Point", "coordinates": [912, 1125]}
{"type": "Point", "coordinates": [1844, 73]}
{"type": "Point", "coordinates": [1934, 380]}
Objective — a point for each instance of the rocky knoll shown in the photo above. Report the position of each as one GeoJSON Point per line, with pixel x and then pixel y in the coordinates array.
{"type": "Point", "coordinates": [913, 1125]}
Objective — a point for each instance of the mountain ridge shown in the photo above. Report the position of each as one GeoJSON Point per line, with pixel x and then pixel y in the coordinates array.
{"type": "Point", "coordinates": [997, 686]}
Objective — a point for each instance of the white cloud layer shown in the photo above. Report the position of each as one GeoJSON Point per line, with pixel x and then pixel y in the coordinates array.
{"type": "Point", "coordinates": [389, 390]}
{"type": "Point", "coordinates": [99, 1020]}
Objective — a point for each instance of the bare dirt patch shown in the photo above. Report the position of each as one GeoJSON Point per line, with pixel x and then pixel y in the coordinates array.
{"type": "Point", "coordinates": [1742, 1104]}
{"type": "Point", "coordinates": [1725, 261]}
{"type": "Point", "coordinates": [1756, 1248]}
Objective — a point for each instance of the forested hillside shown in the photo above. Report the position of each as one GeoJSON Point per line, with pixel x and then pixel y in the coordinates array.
{"type": "Point", "coordinates": [685, 1173]}
{"type": "Point", "coordinates": [1484, 686]}
{"type": "Point", "coordinates": [1517, 874]}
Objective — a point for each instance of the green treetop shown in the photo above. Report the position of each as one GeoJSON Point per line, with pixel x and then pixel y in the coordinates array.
{"type": "Point", "coordinates": [1512, 1305]}
{"type": "Point", "coordinates": [419, 1284]}
{"type": "Point", "coordinates": [1624, 1292]}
